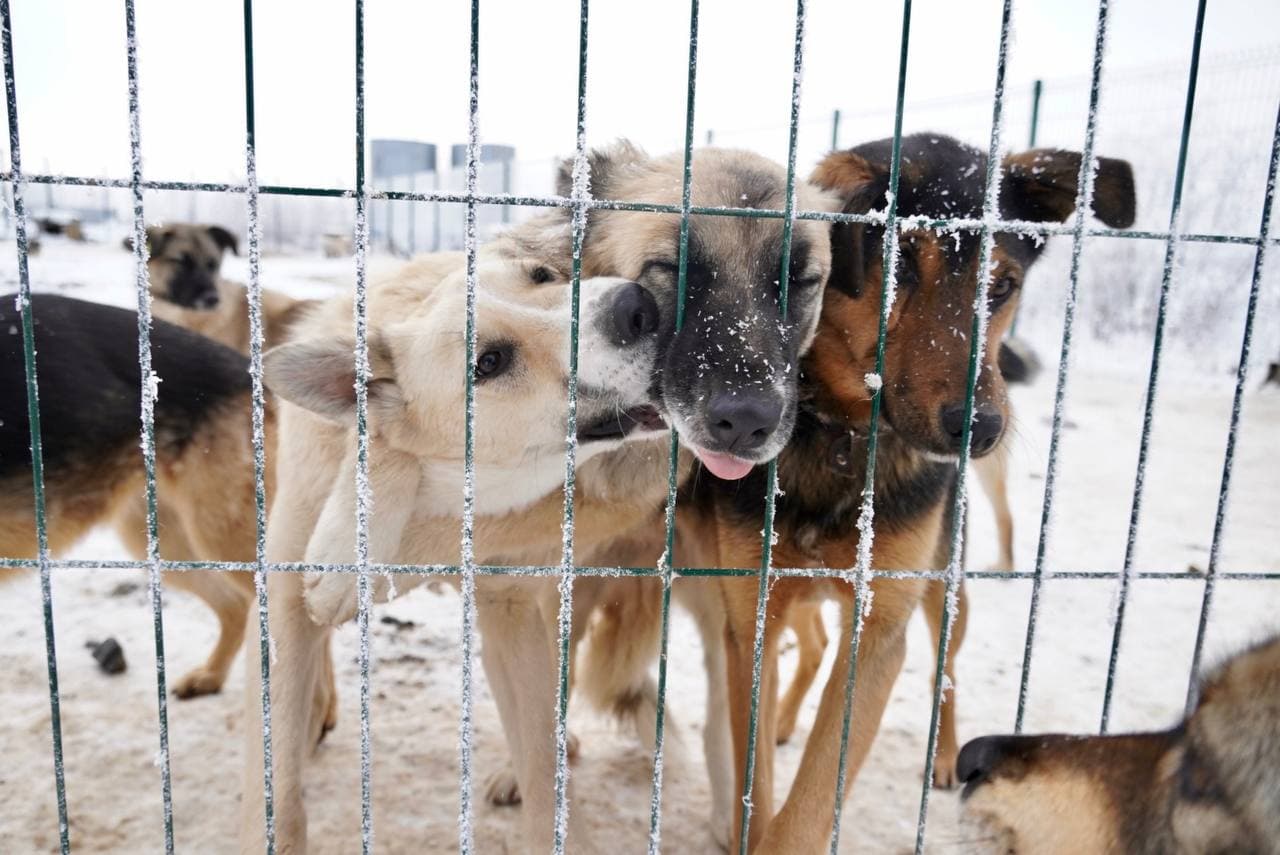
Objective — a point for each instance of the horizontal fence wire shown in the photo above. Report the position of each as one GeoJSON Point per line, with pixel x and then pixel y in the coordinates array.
{"type": "Point", "coordinates": [69, 564]}
{"type": "Point", "coordinates": [978, 337]}
{"type": "Point", "coordinates": [42, 562]}
{"type": "Point", "coordinates": [1157, 350]}
{"type": "Point", "coordinates": [949, 224]}
{"type": "Point", "coordinates": [1084, 207]}
{"type": "Point", "coordinates": [150, 389]}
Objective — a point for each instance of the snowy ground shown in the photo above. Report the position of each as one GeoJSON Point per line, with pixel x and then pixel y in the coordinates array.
{"type": "Point", "coordinates": [109, 723]}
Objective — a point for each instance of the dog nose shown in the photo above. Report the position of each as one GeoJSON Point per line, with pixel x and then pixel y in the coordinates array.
{"type": "Point", "coordinates": [981, 756]}
{"type": "Point", "coordinates": [207, 300]}
{"type": "Point", "coordinates": [742, 423]}
{"type": "Point", "coordinates": [985, 432]}
{"type": "Point", "coordinates": [635, 313]}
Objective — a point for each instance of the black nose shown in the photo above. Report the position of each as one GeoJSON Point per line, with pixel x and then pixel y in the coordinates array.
{"type": "Point", "coordinates": [742, 422]}
{"type": "Point", "coordinates": [980, 757]}
{"type": "Point", "coordinates": [988, 426]}
{"type": "Point", "coordinates": [635, 313]}
{"type": "Point", "coordinates": [207, 300]}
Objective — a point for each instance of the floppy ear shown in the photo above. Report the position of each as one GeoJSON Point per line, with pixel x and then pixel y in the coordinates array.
{"type": "Point", "coordinates": [603, 165]}
{"type": "Point", "coordinates": [1041, 185]}
{"type": "Point", "coordinates": [320, 376]}
{"type": "Point", "coordinates": [224, 239]}
{"type": "Point", "coordinates": [860, 185]}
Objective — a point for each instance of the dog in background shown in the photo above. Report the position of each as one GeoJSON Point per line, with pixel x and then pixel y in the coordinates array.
{"type": "Point", "coordinates": [90, 398]}
{"type": "Point", "coordinates": [1209, 785]}
{"type": "Point", "coordinates": [822, 472]}
{"type": "Point", "coordinates": [184, 264]}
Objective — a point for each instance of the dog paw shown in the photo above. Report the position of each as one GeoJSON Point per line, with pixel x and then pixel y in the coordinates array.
{"type": "Point", "coordinates": [944, 772]}
{"type": "Point", "coordinates": [502, 789]}
{"type": "Point", "coordinates": [200, 681]}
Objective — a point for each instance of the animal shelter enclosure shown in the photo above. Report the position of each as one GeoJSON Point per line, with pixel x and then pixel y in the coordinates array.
{"type": "Point", "coordinates": [1119, 579]}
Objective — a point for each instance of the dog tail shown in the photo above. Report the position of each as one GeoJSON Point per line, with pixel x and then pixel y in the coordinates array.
{"type": "Point", "coordinates": [621, 644]}
{"type": "Point", "coordinates": [1018, 362]}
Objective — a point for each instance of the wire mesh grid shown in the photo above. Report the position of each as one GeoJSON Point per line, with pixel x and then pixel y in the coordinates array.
{"type": "Point", "coordinates": [580, 203]}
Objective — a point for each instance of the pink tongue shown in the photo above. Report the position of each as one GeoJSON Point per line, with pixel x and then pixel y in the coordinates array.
{"type": "Point", "coordinates": [725, 466]}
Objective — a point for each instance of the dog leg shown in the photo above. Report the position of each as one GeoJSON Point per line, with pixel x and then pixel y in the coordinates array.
{"type": "Point", "coordinates": [517, 653]}
{"type": "Point", "coordinates": [229, 599]}
{"type": "Point", "coordinates": [993, 472]}
{"type": "Point", "coordinates": [739, 643]}
{"type": "Point", "coordinates": [944, 766]}
{"type": "Point", "coordinates": [811, 643]}
{"type": "Point", "coordinates": [804, 823]}
{"type": "Point", "coordinates": [298, 647]}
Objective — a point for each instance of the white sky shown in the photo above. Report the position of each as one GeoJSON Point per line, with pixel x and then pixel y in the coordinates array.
{"type": "Point", "coordinates": [70, 67]}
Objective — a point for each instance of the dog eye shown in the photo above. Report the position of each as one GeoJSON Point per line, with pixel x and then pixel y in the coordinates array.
{"type": "Point", "coordinates": [1000, 290]}
{"type": "Point", "coordinates": [805, 282]}
{"type": "Point", "coordinates": [493, 362]}
{"type": "Point", "coordinates": [541, 275]}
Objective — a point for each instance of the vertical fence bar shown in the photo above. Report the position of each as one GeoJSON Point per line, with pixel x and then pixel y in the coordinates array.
{"type": "Point", "coordinates": [1036, 90]}
{"type": "Point", "coordinates": [1237, 402]}
{"type": "Point", "coordinates": [466, 726]}
{"type": "Point", "coordinates": [1084, 207]}
{"type": "Point", "coordinates": [150, 391]}
{"type": "Point", "coordinates": [668, 555]}
{"type": "Point", "coordinates": [866, 514]}
{"type": "Point", "coordinates": [363, 497]}
{"type": "Point", "coordinates": [835, 129]}
{"type": "Point", "coordinates": [254, 227]}
{"type": "Point", "coordinates": [978, 333]}
{"type": "Point", "coordinates": [1157, 346]}
{"type": "Point", "coordinates": [33, 416]}
{"type": "Point", "coordinates": [581, 196]}
{"type": "Point", "coordinates": [771, 490]}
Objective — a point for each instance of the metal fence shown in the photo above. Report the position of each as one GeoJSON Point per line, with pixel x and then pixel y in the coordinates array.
{"type": "Point", "coordinates": [580, 202]}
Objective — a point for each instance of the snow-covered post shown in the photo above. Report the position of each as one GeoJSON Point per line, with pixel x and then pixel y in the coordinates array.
{"type": "Point", "coordinates": [978, 339]}
{"type": "Point", "coordinates": [771, 489]}
{"type": "Point", "coordinates": [33, 415]}
{"type": "Point", "coordinates": [150, 391]}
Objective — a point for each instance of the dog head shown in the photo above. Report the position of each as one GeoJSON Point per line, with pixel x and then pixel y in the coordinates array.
{"type": "Point", "coordinates": [927, 350]}
{"type": "Point", "coordinates": [417, 354]}
{"type": "Point", "coordinates": [184, 262]}
{"type": "Point", "coordinates": [727, 379]}
{"type": "Point", "coordinates": [1210, 785]}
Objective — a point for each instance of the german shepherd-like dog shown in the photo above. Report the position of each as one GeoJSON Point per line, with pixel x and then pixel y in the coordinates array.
{"type": "Point", "coordinates": [728, 380]}
{"type": "Point", "coordinates": [1209, 785]}
{"type": "Point", "coordinates": [90, 397]}
{"type": "Point", "coordinates": [821, 473]}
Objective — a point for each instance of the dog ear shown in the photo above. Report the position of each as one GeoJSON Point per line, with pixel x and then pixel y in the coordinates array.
{"type": "Point", "coordinates": [1041, 185]}
{"type": "Point", "coordinates": [320, 376]}
{"type": "Point", "coordinates": [860, 185]}
{"type": "Point", "coordinates": [603, 165]}
{"type": "Point", "coordinates": [224, 239]}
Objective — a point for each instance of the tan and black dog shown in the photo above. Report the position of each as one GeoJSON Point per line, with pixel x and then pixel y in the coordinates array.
{"type": "Point", "coordinates": [184, 264]}
{"type": "Point", "coordinates": [822, 471]}
{"type": "Point", "coordinates": [90, 397]}
{"type": "Point", "coordinates": [1209, 785]}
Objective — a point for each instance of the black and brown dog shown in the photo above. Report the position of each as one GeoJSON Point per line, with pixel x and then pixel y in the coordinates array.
{"type": "Point", "coordinates": [822, 471]}
{"type": "Point", "coordinates": [90, 404]}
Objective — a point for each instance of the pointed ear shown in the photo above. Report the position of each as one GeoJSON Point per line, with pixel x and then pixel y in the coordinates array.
{"type": "Point", "coordinates": [224, 239]}
{"type": "Point", "coordinates": [1041, 185]}
{"type": "Point", "coordinates": [859, 183]}
{"type": "Point", "coordinates": [320, 376]}
{"type": "Point", "coordinates": [603, 164]}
